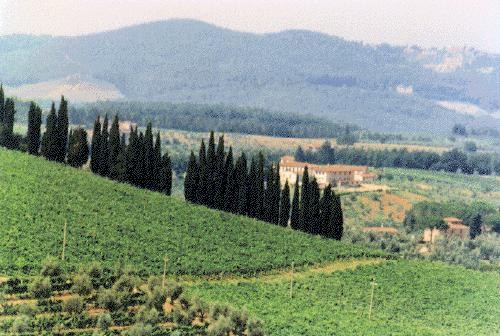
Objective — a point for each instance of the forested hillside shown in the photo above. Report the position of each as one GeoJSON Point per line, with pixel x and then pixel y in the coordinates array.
{"type": "Point", "coordinates": [380, 87]}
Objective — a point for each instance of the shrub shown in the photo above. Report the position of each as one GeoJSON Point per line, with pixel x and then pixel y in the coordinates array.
{"type": "Point", "coordinates": [104, 322]}
{"type": "Point", "coordinates": [220, 327]}
{"type": "Point", "coordinates": [125, 283]}
{"type": "Point", "coordinates": [95, 273]}
{"type": "Point", "coordinates": [199, 309]}
{"type": "Point", "coordinates": [82, 284]}
{"type": "Point", "coordinates": [51, 267]}
{"type": "Point", "coordinates": [140, 329]}
{"type": "Point", "coordinates": [28, 310]}
{"type": "Point", "coordinates": [255, 328]}
{"type": "Point", "coordinates": [74, 305]}
{"type": "Point", "coordinates": [156, 298]}
{"type": "Point", "coordinates": [239, 322]}
{"type": "Point", "coordinates": [109, 299]}
{"type": "Point", "coordinates": [148, 316]}
{"type": "Point", "coordinates": [40, 287]}
{"type": "Point", "coordinates": [176, 293]}
{"type": "Point", "coordinates": [180, 317]}
{"type": "Point", "coordinates": [219, 310]}
{"type": "Point", "coordinates": [21, 324]}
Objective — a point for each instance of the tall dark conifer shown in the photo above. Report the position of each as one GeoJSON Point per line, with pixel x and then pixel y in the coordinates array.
{"type": "Point", "coordinates": [114, 147]}
{"type": "Point", "coordinates": [229, 195]}
{"type": "Point", "coordinates": [191, 179]}
{"type": "Point", "coordinates": [148, 157]}
{"type": "Point", "coordinates": [7, 138]}
{"type": "Point", "coordinates": [275, 194]}
{"type": "Point", "coordinates": [132, 156]}
{"type": "Point", "coordinates": [252, 190]}
{"type": "Point", "coordinates": [210, 171]}
{"type": "Point", "coordinates": [314, 208]}
{"type": "Point", "coordinates": [241, 175]}
{"type": "Point", "coordinates": [50, 137]}
{"type": "Point", "coordinates": [220, 174]}
{"type": "Point", "coordinates": [295, 222]}
{"type": "Point", "coordinates": [157, 164]}
{"type": "Point", "coordinates": [95, 148]}
{"type": "Point", "coordinates": [326, 205]}
{"type": "Point", "coordinates": [337, 218]}
{"type": "Point", "coordinates": [119, 169]}
{"type": "Point", "coordinates": [78, 148]}
{"type": "Point", "coordinates": [304, 201]}
{"type": "Point", "coordinates": [285, 205]}
{"type": "Point", "coordinates": [34, 127]}
{"type": "Point", "coordinates": [62, 130]}
{"type": "Point", "coordinates": [166, 175]}
{"type": "Point", "coordinates": [104, 149]}
{"type": "Point", "coordinates": [201, 191]}
{"type": "Point", "coordinates": [2, 103]}
{"type": "Point", "coordinates": [259, 181]}
{"type": "Point", "coordinates": [141, 158]}
{"type": "Point", "coordinates": [268, 195]}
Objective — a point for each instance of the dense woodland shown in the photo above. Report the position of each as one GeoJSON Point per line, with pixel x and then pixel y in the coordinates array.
{"type": "Point", "coordinates": [214, 179]}
{"type": "Point", "coordinates": [451, 161]}
{"type": "Point", "coordinates": [204, 118]}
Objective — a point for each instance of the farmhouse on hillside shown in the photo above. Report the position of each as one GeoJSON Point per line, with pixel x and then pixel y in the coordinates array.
{"type": "Point", "coordinates": [455, 228]}
{"type": "Point", "coordinates": [337, 175]}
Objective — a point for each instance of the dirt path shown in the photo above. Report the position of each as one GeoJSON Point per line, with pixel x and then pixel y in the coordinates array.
{"type": "Point", "coordinates": [299, 273]}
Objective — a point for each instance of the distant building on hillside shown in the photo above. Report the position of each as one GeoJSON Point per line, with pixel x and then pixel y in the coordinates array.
{"type": "Point", "coordinates": [455, 228]}
{"type": "Point", "coordinates": [336, 175]}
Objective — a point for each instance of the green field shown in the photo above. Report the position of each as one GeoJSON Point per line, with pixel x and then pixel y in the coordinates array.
{"type": "Point", "coordinates": [117, 223]}
{"type": "Point", "coordinates": [410, 298]}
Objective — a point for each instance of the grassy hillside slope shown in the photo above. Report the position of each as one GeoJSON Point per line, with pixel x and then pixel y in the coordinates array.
{"type": "Point", "coordinates": [410, 298]}
{"type": "Point", "coordinates": [112, 223]}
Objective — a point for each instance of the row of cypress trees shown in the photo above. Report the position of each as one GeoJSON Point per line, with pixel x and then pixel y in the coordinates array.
{"type": "Point", "coordinates": [213, 179]}
{"type": "Point", "coordinates": [140, 162]}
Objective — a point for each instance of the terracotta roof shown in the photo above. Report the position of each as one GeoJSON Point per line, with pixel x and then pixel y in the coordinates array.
{"type": "Point", "coordinates": [285, 162]}
{"type": "Point", "coordinates": [380, 229]}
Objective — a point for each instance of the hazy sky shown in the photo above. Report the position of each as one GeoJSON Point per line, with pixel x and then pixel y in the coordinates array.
{"type": "Point", "coordinates": [424, 22]}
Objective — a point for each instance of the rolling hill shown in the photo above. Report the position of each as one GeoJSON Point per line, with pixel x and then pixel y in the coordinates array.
{"type": "Point", "coordinates": [116, 223]}
{"type": "Point", "coordinates": [380, 87]}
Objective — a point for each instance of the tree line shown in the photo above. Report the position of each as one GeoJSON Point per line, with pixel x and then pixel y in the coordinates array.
{"type": "Point", "coordinates": [139, 162]}
{"type": "Point", "coordinates": [204, 118]}
{"type": "Point", "coordinates": [215, 179]}
{"type": "Point", "coordinates": [451, 161]}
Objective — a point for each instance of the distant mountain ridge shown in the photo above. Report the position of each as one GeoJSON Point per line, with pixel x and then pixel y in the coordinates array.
{"type": "Point", "coordinates": [381, 87]}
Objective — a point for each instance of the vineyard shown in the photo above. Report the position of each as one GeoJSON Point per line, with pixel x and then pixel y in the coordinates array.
{"type": "Point", "coordinates": [410, 298]}
{"type": "Point", "coordinates": [116, 223]}
{"type": "Point", "coordinates": [99, 301]}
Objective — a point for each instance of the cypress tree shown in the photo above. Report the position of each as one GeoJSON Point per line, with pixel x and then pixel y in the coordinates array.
{"type": "Point", "coordinates": [326, 228]}
{"type": "Point", "coordinates": [285, 206]}
{"type": "Point", "coordinates": [157, 164]}
{"type": "Point", "coordinates": [191, 179]}
{"type": "Point", "coordinates": [119, 170]}
{"type": "Point", "coordinates": [2, 103]}
{"type": "Point", "coordinates": [259, 181]}
{"type": "Point", "coordinates": [34, 127]}
{"type": "Point", "coordinates": [337, 218]}
{"type": "Point", "coordinates": [139, 168]}
{"type": "Point", "coordinates": [229, 195]}
{"type": "Point", "coordinates": [220, 175]}
{"type": "Point", "coordinates": [78, 148]}
{"type": "Point", "coordinates": [252, 191]}
{"type": "Point", "coordinates": [166, 175]}
{"type": "Point", "coordinates": [62, 130]}
{"type": "Point", "coordinates": [7, 137]}
{"type": "Point", "coordinates": [49, 139]}
{"type": "Point", "coordinates": [268, 196]}
{"type": "Point", "coordinates": [241, 176]}
{"type": "Point", "coordinates": [114, 147]}
{"type": "Point", "coordinates": [95, 148]}
{"type": "Point", "coordinates": [210, 171]}
{"type": "Point", "coordinates": [276, 193]}
{"type": "Point", "coordinates": [148, 158]}
{"type": "Point", "coordinates": [295, 213]}
{"type": "Point", "coordinates": [104, 149]}
{"type": "Point", "coordinates": [314, 208]}
{"type": "Point", "coordinates": [132, 156]}
{"type": "Point", "coordinates": [201, 191]}
{"type": "Point", "coordinates": [304, 201]}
